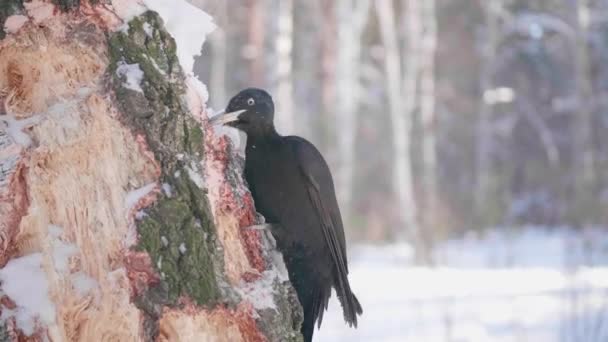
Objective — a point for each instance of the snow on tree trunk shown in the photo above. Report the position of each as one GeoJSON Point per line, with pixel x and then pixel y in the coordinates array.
{"type": "Point", "coordinates": [121, 212]}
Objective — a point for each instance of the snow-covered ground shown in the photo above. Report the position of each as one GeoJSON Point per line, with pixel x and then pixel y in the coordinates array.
{"type": "Point", "coordinates": [533, 285]}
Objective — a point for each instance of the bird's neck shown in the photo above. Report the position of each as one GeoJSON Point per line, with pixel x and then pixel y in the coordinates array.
{"type": "Point", "coordinates": [260, 137]}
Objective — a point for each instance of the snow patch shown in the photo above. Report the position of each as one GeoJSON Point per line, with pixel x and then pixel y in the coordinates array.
{"type": "Point", "coordinates": [195, 177]}
{"type": "Point", "coordinates": [182, 248]}
{"type": "Point", "coordinates": [62, 251]}
{"type": "Point", "coordinates": [15, 127]}
{"type": "Point", "coordinates": [39, 10]}
{"type": "Point", "coordinates": [25, 282]}
{"type": "Point", "coordinates": [189, 26]}
{"type": "Point", "coordinates": [134, 196]}
{"type": "Point", "coordinates": [134, 75]}
{"type": "Point", "coordinates": [83, 284]}
{"type": "Point", "coordinates": [140, 214]}
{"type": "Point", "coordinates": [260, 293]}
{"type": "Point", "coordinates": [167, 189]}
{"type": "Point", "coordinates": [127, 10]}
{"type": "Point", "coordinates": [148, 29]}
{"type": "Point", "coordinates": [532, 284]}
{"type": "Point", "coordinates": [14, 23]}
{"type": "Point", "coordinates": [200, 88]}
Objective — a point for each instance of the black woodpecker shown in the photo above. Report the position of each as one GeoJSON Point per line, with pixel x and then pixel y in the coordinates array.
{"type": "Point", "coordinates": [293, 188]}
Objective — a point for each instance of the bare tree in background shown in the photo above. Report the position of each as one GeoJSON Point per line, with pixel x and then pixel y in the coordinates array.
{"type": "Point", "coordinates": [283, 45]}
{"type": "Point", "coordinates": [327, 38]}
{"type": "Point", "coordinates": [256, 38]}
{"type": "Point", "coordinates": [489, 49]}
{"type": "Point", "coordinates": [352, 18]}
{"type": "Point", "coordinates": [428, 111]}
{"type": "Point", "coordinates": [217, 82]}
{"type": "Point", "coordinates": [583, 148]}
{"type": "Point", "coordinates": [402, 94]}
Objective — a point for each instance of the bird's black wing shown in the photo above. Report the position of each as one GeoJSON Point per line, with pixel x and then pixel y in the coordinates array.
{"type": "Point", "coordinates": [320, 188]}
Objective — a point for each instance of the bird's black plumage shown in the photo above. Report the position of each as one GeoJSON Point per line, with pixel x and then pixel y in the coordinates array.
{"type": "Point", "coordinates": [292, 187]}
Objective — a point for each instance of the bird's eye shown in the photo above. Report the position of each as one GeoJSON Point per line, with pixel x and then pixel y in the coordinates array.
{"type": "Point", "coordinates": [251, 101]}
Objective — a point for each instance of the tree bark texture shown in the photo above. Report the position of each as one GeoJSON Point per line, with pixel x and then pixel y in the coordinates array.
{"type": "Point", "coordinates": [119, 206]}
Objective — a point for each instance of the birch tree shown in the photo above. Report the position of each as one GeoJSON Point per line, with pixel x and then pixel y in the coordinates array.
{"type": "Point", "coordinates": [402, 90]}
{"type": "Point", "coordinates": [583, 135]}
{"type": "Point", "coordinates": [428, 113]}
{"type": "Point", "coordinates": [256, 40]}
{"type": "Point", "coordinates": [491, 9]}
{"type": "Point", "coordinates": [285, 119]}
{"type": "Point", "coordinates": [352, 17]}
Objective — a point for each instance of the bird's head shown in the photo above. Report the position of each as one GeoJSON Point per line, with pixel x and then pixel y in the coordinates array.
{"type": "Point", "coordinates": [251, 111]}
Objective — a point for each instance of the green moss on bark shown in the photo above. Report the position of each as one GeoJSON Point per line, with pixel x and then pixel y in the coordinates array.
{"type": "Point", "coordinates": [177, 231]}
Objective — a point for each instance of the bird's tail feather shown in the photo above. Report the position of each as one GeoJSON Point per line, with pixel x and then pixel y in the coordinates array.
{"type": "Point", "coordinates": [313, 312]}
{"type": "Point", "coordinates": [350, 304]}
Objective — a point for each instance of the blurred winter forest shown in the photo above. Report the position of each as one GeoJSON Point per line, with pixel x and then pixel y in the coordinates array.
{"type": "Point", "coordinates": [436, 116]}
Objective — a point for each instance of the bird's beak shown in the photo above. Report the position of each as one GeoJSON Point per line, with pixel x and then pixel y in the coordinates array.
{"type": "Point", "coordinates": [223, 118]}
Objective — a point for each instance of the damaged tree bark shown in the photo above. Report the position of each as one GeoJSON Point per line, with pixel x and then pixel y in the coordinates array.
{"type": "Point", "coordinates": [121, 212]}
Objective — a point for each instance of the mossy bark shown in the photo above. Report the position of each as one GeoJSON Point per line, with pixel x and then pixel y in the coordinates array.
{"type": "Point", "coordinates": [177, 230]}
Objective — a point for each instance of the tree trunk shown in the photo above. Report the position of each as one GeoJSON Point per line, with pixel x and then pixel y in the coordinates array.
{"type": "Point", "coordinates": [483, 162]}
{"type": "Point", "coordinates": [352, 16]}
{"type": "Point", "coordinates": [255, 47]}
{"type": "Point", "coordinates": [121, 212]}
{"type": "Point", "coordinates": [283, 45]}
{"type": "Point", "coordinates": [328, 38]}
{"type": "Point", "coordinates": [428, 115]}
{"type": "Point", "coordinates": [583, 149]}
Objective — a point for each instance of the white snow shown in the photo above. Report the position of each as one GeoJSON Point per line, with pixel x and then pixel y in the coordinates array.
{"type": "Point", "coordinates": [83, 284]}
{"type": "Point", "coordinates": [533, 285]}
{"type": "Point", "coordinates": [189, 26]}
{"type": "Point", "coordinates": [199, 87]}
{"type": "Point", "coordinates": [61, 255]}
{"type": "Point", "coordinates": [24, 281]}
{"type": "Point", "coordinates": [134, 75]}
{"type": "Point", "coordinates": [62, 251]}
{"type": "Point", "coordinates": [15, 127]}
{"type": "Point", "coordinates": [260, 293]}
{"type": "Point", "coordinates": [14, 23]}
{"type": "Point", "coordinates": [140, 214]}
{"type": "Point", "coordinates": [127, 10]}
{"type": "Point", "coordinates": [134, 196]}
{"type": "Point", "coordinates": [167, 190]}
{"type": "Point", "coordinates": [182, 248]}
{"type": "Point", "coordinates": [147, 29]}
{"type": "Point", "coordinates": [195, 176]}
